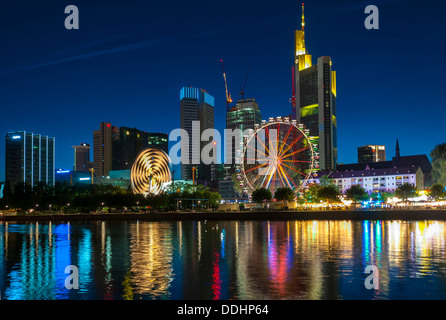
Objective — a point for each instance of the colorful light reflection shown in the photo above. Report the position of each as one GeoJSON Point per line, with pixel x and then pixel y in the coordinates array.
{"type": "Point", "coordinates": [238, 260]}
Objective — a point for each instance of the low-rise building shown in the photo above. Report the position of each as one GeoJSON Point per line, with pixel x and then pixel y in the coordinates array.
{"type": "Point", "coordinates": [122, 183]}
{"type": "Point", "coordinates": [72, 177]}
{"type": "Point", "coordinates": [374, 180]}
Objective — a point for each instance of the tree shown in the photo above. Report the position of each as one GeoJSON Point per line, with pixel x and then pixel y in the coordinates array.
{"type": "Point", "coordinates": [213, 198]}
{"type": "Point", "coordinates": [438, 156]}
{"type": "Point", "coordinates": [160, 201]}
{"type": "Point", "coordinates": [386, 195]}
{"type": "Point", "coordinates": [406, 191]}
{"type": "Point", "coordinates": [325, 181]}
{"type": "Point", "coordinates": [194, 196]}
{"type": "Point", "coordinates": [437, 191]}
{"type": "Point", "coordinates": [328, 193]}
{"type": "Point", "coordinates": [235, 178]}
{"type": "Point", "coordinates": [356, 193]}
{"type": "Point", "coordinates": [311, 195]}
{"type": "Point", "coordinates": [261, 194]}
{"type": "Point", "coordinates": [284, 194]}
{"type": "Point", "coordinates": [23, 197]}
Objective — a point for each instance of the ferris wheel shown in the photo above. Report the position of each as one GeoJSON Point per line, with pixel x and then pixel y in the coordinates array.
{"type": "Point", "coordinates": [279, 153]}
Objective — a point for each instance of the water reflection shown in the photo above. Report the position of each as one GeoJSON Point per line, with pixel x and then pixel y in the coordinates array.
{"type": "Point", "coordinates": [223, 260]}
{"type": "Point", "coordinates": [151, 251]}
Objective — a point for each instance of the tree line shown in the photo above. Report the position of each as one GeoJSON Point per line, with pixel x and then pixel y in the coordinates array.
{"type": "Point", "coordinates": [86, 198]}
{"type": "Point", "coordinates": [327, 191]}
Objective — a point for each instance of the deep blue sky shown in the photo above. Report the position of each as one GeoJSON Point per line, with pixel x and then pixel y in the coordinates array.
{"type": "Point", "coordinates": [129, 59]}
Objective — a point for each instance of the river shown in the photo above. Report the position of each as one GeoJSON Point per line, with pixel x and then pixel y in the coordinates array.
{"type": "Point", "coordinates": [242, 260]}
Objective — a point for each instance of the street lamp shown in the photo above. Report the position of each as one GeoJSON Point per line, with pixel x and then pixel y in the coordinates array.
{"type": "Point", "coordinates": [50, 207]}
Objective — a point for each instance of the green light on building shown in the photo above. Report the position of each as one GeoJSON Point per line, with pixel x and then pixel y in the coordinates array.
{"type": "Point", "coordinates": [309, 110]}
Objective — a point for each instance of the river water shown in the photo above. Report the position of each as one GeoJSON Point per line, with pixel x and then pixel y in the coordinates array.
{"type": "Point", "coordinates": [243, 260]}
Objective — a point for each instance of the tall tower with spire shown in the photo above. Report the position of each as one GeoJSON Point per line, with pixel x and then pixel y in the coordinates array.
{"type": "Point", "coordinates": [314, 98]}
{"type": "Point", "coordinates": [301, 56]}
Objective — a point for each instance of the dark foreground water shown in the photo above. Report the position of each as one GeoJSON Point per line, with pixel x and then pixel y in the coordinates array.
{"type": "Point", "coordinates": [223, 260]}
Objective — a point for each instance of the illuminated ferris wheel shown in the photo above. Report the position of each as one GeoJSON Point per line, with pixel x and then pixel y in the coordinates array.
{"type": "Point", "coordinates": [150, 171]}
{"type": "Point", "coordinates": [279, 153]}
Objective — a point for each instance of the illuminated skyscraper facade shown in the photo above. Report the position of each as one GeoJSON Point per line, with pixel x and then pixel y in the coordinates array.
{"type": "Point", "coordinates": [30, 158]}
{"type": "Point", "coordinates": [196, 106]}
{"type": "Point", "coordinates": [314, 99]}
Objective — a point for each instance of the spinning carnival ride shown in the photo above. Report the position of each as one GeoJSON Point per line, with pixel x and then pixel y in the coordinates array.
{"type": "Point", "coordinates": [150, 171]}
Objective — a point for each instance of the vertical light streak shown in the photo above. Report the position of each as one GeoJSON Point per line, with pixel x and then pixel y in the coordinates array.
{"type": "Point", "coordinates": [216, 281]}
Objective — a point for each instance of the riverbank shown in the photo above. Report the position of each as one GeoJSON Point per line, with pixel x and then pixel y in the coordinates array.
{"type": "Point", "coordinates": [249, 215]}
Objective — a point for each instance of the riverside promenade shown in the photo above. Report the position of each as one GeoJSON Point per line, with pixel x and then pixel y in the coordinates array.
{"type": "Point", "coordinates": [408, 215]}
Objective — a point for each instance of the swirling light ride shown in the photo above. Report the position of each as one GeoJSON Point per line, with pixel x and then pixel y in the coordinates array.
{"type": "Point", "coordinates": [278, 154]}
{"type": "Point", "coordinates": [150, 171]}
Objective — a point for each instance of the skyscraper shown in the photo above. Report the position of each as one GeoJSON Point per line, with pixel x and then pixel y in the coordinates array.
{"type": "Point", "coordinates": [314, 99]}
{"type": "Point", "coordinates": [196, 106]}
{"type": "Point", "coordinates": [243, 116]}
{"type": "Point", "coordinates": [30, 158]}
{"type": "Point", "coordinates": [102, 148]}
{"type": "Point", "coordinates": [371, 153]}
{"type": "Point", "coordinates": [126, 145]}
{"type": "Point", "coordinates": [82, 157]}
{"type": "Point", "coordinates": [159, 140]}
{"type": "Point", "coordinates": [116, 148]}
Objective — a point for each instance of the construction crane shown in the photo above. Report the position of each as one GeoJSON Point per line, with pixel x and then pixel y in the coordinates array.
{"type": "Point", "coordinates": [228, 94]}
{"type": "Point", "coordinates": [242, 89]}
{"type": "Point", "coordinates": [92, 171]}
{"type": "Point", "coordinates": [193, 175]}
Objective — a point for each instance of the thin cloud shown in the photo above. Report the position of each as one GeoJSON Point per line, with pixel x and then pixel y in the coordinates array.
{"type": "Point", "coordinates": [129, 47]}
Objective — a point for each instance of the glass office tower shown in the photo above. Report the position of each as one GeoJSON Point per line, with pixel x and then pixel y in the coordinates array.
{"type": "Point", "coordinates": [196, 106]}
{"type": "Point", "coordinates": [29, 158]}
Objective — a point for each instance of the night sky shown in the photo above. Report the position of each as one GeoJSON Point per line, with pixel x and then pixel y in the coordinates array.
{"type": "Point", "coordinates": [129, 59]}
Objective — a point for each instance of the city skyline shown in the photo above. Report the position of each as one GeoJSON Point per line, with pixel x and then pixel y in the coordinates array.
{"type": "Point", "coordinates": [130, 73]}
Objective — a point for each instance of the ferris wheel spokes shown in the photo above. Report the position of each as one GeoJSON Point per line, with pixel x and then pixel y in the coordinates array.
{"type": "Point", "coordinates": [284, 157]}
